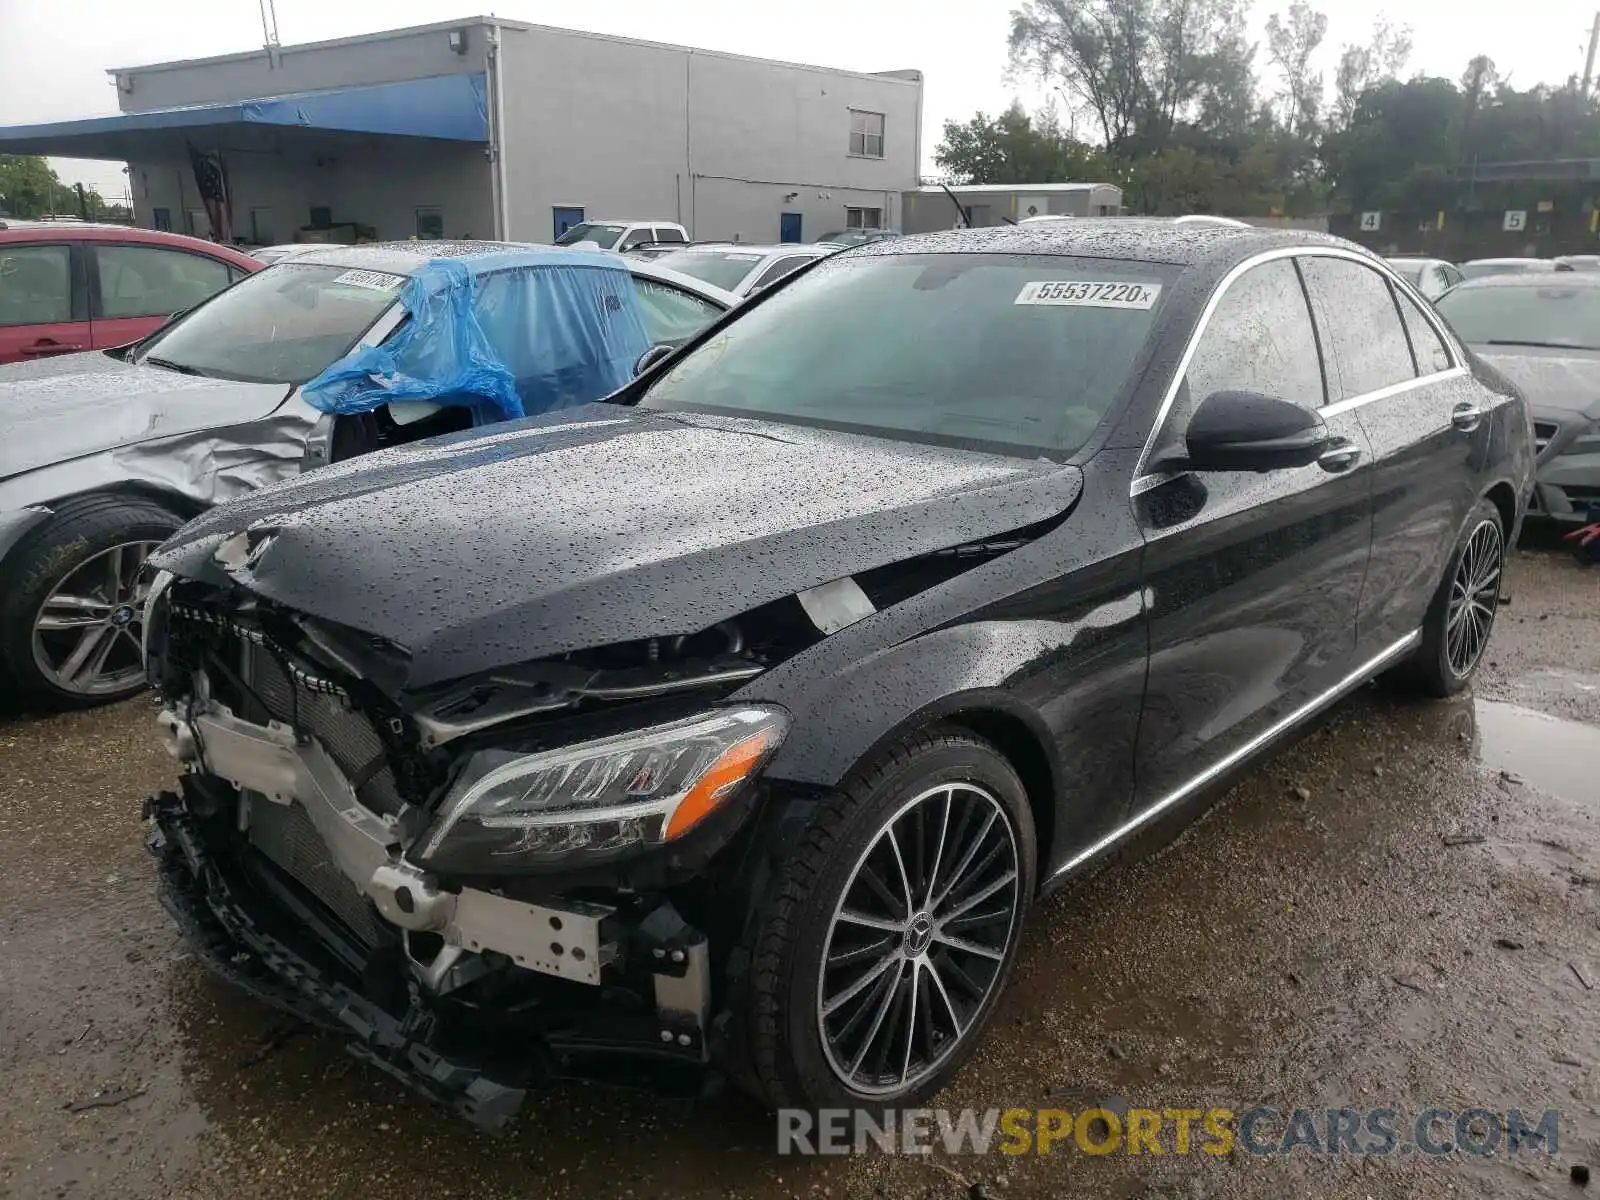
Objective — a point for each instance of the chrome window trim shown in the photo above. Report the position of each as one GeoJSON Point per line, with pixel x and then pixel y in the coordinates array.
{"type": "Point", "coordinates": [1143, 482]}
{"type": "Point", "coordinates": [1309, 709]}
{"type": "Point", "coordinates": [1394, 389]}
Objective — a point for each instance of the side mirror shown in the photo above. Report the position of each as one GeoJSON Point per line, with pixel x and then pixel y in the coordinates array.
{"type": "Point", "coordinates": [651, 357]}
{"type": "Point", "coordinates": [1247, 431]}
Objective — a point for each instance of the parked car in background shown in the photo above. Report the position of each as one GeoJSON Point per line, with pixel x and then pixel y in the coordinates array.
{"type": "Point", "coordinates": [107, 453]}
{"type": "Point", "coordinates": [1430, 276]}
{"type": "Point", "coordinates": [857, 237]}
{"type": "Point", "coordinates": [67, 286]}
{"type": "Point", "coordinates": [1478, 268]}
{"type": "Point", "coordinates": [742, 269]}
{"type": "Point", "coordinates": [1543, 333]}
{"type": "Point", "coordinates": [624, 235]}
{"type": "Point", "coordinates": [268, 255]}
{"type": "Point", "coordinates": [738, 722]}
{"type": "Point", "coordinates": [1578, 262]}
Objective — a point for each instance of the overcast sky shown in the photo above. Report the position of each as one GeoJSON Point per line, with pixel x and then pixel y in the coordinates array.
{"type": "Point", "coordinates": [53, 58]}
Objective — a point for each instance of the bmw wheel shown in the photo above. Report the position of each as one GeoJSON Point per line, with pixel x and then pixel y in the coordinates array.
{"type": "Point", "coordinates": [70, 622]}
{"type": "Point", "coordinates": [893, 930]}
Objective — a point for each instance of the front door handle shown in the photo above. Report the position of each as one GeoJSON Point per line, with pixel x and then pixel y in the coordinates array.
{"type": "Point", "coordinates": [1340, 457]}
{"type": "Point", "coordinates": [1465, 416]}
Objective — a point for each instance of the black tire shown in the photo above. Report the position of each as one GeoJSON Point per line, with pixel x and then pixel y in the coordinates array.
{"type": "Point", "coordinates": [1437, 668]}
{"type": "Point", "coordinates": [778, 1013]}
{"type": "Point", "coordinates": [77, 531]}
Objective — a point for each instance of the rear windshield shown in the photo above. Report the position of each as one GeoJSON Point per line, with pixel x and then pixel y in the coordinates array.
{"type": "Point", "coordinates": [281, 325]}
{"type": "Point", "coordinates": [1411, 271]}
{"type": "Point", "coordinates": [1015, 353]}
{"type": "Point", "coordinates": [1543, 314]}
{"type": "Point", "coordinates": [604, 236]}
{"type": "Point", "coordinates": [720, 268]}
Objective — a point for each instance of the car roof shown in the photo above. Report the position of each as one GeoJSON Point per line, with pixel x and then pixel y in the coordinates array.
{"type": "Point", "coordinates": [404, 258]}
{"type": "Point", "coordinates": [30, 231]}
{"type": "Point", "coordinates": [1150, 239]}
{"type": "Point", "coordinates": [1490, 262]}
{"type": "Point", "coordinates": [631, 221]}
{"type": "Point", "coordinates": [1540, 279]}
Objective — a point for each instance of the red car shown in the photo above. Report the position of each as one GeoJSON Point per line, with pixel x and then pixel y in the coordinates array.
{"type": "Point", "coordinates": [68, 285]}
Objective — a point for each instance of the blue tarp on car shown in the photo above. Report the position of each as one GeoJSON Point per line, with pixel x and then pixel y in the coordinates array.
{"type": "Point", "coordinates": [506, 334]}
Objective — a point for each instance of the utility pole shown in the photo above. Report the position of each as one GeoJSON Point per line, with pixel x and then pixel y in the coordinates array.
{"type": "Point", "coordinates": [1588, 63]}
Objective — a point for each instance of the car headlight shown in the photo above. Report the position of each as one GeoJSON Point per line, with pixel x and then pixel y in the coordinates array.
{"type": "Point", "coordinates": [599, 798]}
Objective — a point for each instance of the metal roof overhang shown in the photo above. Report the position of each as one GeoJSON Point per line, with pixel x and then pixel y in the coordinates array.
{"type": "Point", "coordinates": [444, 107]}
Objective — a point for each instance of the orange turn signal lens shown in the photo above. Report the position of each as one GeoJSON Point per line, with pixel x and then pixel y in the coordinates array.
{"type": "Point", "coordinates": [733, 766]}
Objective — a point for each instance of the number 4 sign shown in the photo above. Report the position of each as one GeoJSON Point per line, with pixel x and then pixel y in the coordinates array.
{"type": "Point", "coordinates": [1371, 222]}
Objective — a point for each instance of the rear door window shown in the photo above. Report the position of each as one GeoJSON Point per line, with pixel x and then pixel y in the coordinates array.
{"type": "Point", "coordinates": [35, 284]}
{"type": "Point", "coordinates": [1362, 333]}
{"type": "Point", "coordinates": [1427, 346]}
{"type": "Point", "coordinates": [152, 281]}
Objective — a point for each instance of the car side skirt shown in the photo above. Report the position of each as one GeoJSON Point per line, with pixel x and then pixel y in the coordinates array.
{"type": "Point", "coordinates": [1367, 670]}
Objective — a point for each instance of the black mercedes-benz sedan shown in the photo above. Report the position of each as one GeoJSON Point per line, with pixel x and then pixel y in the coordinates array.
{"type": "Point", "coordinates": [731, 727]}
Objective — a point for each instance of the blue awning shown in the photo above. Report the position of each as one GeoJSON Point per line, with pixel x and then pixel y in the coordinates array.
{"type": "Point", "coordinates": [447, 107]}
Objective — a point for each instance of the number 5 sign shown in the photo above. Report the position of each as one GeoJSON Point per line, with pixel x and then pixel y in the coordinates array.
{"type": "Point", "coordinates": [1371, 222]}
{"type": "Point", "coordinates": [1516, 220]}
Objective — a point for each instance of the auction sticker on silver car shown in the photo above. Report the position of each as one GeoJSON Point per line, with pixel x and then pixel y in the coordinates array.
{"type": "Point", "coordinates": [1085, 294]}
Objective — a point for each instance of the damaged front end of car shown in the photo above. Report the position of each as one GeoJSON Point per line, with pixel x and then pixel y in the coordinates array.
{"type": "Point", "coordinates": [500, 800]}
{"type": "Point", "coordinates": [515, 879]}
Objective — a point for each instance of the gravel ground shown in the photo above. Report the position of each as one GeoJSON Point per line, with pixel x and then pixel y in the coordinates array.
{"type": "Point", "coordinates": [1399, 911]}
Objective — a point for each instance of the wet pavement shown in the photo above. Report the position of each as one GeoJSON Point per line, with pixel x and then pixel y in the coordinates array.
{"type": "Point", "coordinates": [1400, 910]}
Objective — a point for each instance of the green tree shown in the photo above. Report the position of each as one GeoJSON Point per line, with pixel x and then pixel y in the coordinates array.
{"type": "Point", "coordinates": [1292, 42]}
{"type": "Point", "coordinates": [29, 186]}
{"type": "Point", "coordinates": [1141, 67]}
{"type": "Point", "coordinates": [1012, 148]}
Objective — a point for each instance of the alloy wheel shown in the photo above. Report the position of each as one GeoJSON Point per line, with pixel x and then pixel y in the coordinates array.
{"type": "Point", "coordinates": [919, 939]}
{"type": "Point", "coordinates": [1474, 597]}
{"type": "Point", "coordinates": [86, 634]}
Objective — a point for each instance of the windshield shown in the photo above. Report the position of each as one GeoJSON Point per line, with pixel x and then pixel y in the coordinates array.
{"type": "Point", "coordinates": [1017, 353]}
{"type": "Point", "coordinates": [604, 236]}
{"type": "Point", "coordinates": [1546, 314]}
{"type": "Point", "coordinates": [281, 325]}
{"type": "Point", "coordinates": [723, 268]}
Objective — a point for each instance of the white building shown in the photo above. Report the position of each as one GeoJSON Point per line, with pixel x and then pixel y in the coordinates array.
{"type": "Point", "coordinates": [492, 128]}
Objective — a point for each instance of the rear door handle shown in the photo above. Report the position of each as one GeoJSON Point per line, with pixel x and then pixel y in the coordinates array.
{"type": "Point", "coordinates": [1465, 416]}
{"type": "Point", "coordinates": [1339, 458]}
{"type": "Point", "coordinates": [41, 349]}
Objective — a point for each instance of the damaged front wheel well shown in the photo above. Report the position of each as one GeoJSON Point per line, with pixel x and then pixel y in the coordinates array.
{"type": "Point", "coordinates": [1011, 736]}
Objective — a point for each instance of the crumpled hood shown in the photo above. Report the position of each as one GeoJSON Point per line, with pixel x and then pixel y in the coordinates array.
{"type": "Point", "coordinates": [1568, 380]}
{"type": "Point", "coordinates": [602, 524]}
{"type": "Point", "coordinates": [62, 408]}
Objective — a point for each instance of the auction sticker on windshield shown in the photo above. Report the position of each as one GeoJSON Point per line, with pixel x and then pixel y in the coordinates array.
{"type": "Point", "coordinates": [378, 281]}
{"type": "Point", "coordinates": [1085, 294]}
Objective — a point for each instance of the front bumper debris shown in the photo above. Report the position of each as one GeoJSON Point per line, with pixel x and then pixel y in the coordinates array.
{"type": "Point", "coordinates": [233, 945]}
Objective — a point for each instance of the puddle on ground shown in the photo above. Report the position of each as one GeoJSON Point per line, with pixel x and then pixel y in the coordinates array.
{"type": "Point", "coordinates": [1556, 756]}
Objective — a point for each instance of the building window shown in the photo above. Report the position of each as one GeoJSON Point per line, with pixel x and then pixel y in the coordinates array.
{"type": "Point", "coordinates": [161, 218]}
{"type": "Point", "coordinates": [196, 223]}
{"type": "Point", "coordinates": [866, 134]}
{"type": "Point", "coordinates": [430, 224]}
{"type": "Point", "coordinates": [863, 218]}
